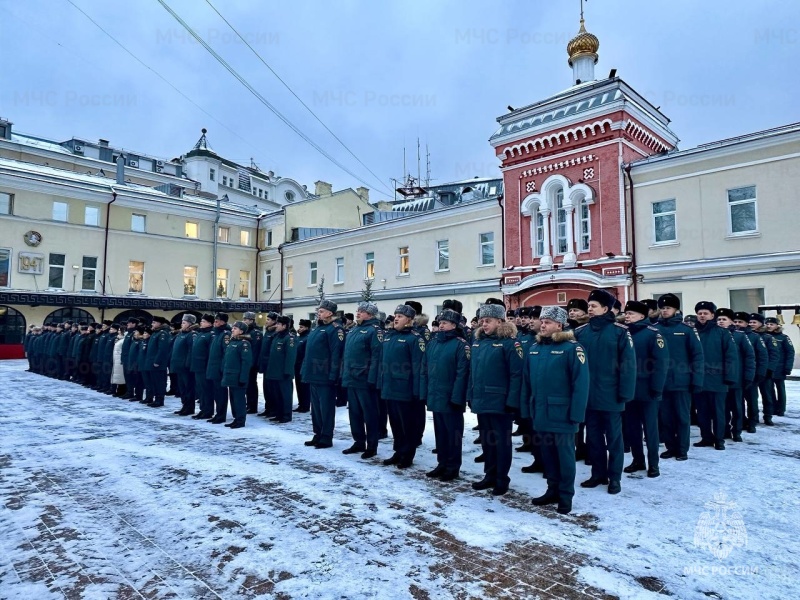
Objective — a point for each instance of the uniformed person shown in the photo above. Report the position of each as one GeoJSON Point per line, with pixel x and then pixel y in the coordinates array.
{"type": "Point", "coordinates": [421, 327]}
{"type": "Point", "coordinates": [684, 377]}
{"type": "Point", "coordinates": [204, 387]}
{"type": "Point", "coordinates": [130, 330]}
{"type": "Point", "coordinates": [256, 337]}
{"type": "Point", "coordinates": [785, 363]}
{"type": "Point", "coordinates": [107, 360]}
{"type": "Point", "coordinates": [721, 360]}
{"type": "Point", "coordinates": [612, 370]}
{"type": "Point", "coordinates": [360, 366]}
{"type": "Point", "coordinates": [653, 313]}
{"type": "Point", "coordinates": [303, 389]}
{"type": "Point", "coordinates": [263, 362]}
{"type": "Point", "coordinates": [321, 368]}
{"type": "Point", "coordinates": [216, 355]}
{"type": "Point", "coordinates": [742, 322]}
{"type": "Point", "coordinates": [181, 364]}
{"type": "Point", "coordinates": [400, 376]}
{"type": "Point", "coordinates": [280, 370]}
{"type": "Point", "coordinates": [445, 377]}
{"type": "Point", "coordinates": [157, 359]}
{"type": "Point", "coordinates": [494, 393]}
{"type": "Point", "coordinates": [652, 365]}
{"type": "Point", "coordinates": [236, 363]}
{"type": "Point", "coordinates": [172, 377]}
{"type": "Point", "coordinates": [734, 401]}
{"type": "Point", "coordinates": [555, 391]}
{"type": "Point", "coordinates": [767, 386]}
{"type": "Point", "coordinates": [148, 391]}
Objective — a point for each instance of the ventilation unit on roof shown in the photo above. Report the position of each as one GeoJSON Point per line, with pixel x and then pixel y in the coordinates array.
{"type": "Point", "coordinates": [159, 163]}
{"type": "Point", "coordinates": [78, 148]}
{"type": "Point", "coordinates": [159, 169]}
{"type": "Point", "coordinates": [134, 164]}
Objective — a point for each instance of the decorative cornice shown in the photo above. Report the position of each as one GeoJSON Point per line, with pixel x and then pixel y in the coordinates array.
{"type": "Point", "coordinates": [640, 134]}
{"type": "Point", "coordinates": [557, 138]}
{"type": "Point", "coordinates": [562, 164]}
{"type": "Point", "coordinates": [566, 276]}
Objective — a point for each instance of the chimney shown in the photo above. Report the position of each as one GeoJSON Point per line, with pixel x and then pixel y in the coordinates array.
{"type": "Point", "coordinates": [323, 188]}
{"type": "Point", "coordinates": [364, 193]}
{"type": "Point", "coordinates": [121, 169]}
{"type": "Point", "coordinates": [5, 129]}
{"type": "Point", "coordinates": [102, 143]}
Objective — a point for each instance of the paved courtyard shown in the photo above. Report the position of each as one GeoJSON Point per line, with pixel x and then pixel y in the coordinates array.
{"type": "Point", "coordinates": [102, 498]}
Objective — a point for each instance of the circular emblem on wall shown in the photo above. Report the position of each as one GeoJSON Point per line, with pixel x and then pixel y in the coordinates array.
{"type": "Point", "coordinates": [32, 238]}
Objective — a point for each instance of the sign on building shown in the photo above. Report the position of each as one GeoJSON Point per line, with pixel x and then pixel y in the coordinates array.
{"type": "Point", "coordinates": [31, 263]}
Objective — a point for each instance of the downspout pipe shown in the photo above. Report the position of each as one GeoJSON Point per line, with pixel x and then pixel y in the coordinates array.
{"type": "Point", "coordinates": [627, 169]}
{"type": "Point", "coordinates": [258, 252]}
{"type": "Point", "coordinates": [105, 248]}
{"type": "Point", "coordinates": [500, 199]}
{"type": "Point", "coordinates": [280, 277]}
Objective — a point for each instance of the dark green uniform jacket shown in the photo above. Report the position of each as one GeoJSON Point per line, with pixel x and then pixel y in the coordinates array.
{"type": "Point", "coordinates": [761, 354]}
{"type": "Point", "coordinates": [555, 384]}
{"type": "Point", "coordinates": [266, 346]}
{"type": "Point", "coordinates": [720, 357]}
{"type": "Point", "coordinates": [158, 348]}
{"type": "Point", "coordinates": [401, 365]}
{"type": "Point", "coordinates": [300, 343]}
{"type": "Point", "coordinates": [495, 371]}
{"type": "Point", "coordinates": [216, 351]}
{"type": "Point", "coordinates": [200, 349]}
{"type": "Point", "coordinates": [785, 355]}
{"type": "Point", "coordinates": [256, 337]}
{"type": "Point", "coordinates": [686, 365]}
{"type": "Point", "coordinates": [141, 356]}
{"type": "Point", "coordinates": [362, 355]}
{"type": "Point", "coordinates": [323, 354]}
{"type": "Point", "coordinates": [652, 361]}
{"type": "Point", "coordinates": [181, 359]}
{"type": "Point", "coordinates": [747, 358]}
{"type": "Point", "coordinates": [281, 357]}
{"type": "Point", "coordinates": [126, 346]}
{"type": "Point", "coordinates": [445, 372]}
{"type": "Point", "coordinates": [237, 360]}
{"type": "Point", "coordinates": [612, 362]}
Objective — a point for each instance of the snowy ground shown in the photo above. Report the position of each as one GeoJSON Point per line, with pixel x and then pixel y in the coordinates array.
{"type": "Point", "coordinates": [102, 498]}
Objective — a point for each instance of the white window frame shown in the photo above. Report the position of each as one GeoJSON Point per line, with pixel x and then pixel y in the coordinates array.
{"type": "Point", "coordinates": [583, 224]}
{"type": "Point", "coordinates": [268, 238]}
{"type": "Point", "coordinates": [367, 263]}
{"type": "Point", "coordinates": [8, 252]}
{"type": "Point", "coordinates": [144, 223]}
{"type": "Point", "coordinates": [84, 270]}
{"type": "Point", "coordinates": [481, 244]}
{"type": "Point", "coordinates": [132, 273]}
{"type": "Point", "coordinates": [338, 270]}
{"type": "Point", "coordinates": [189, 276]}
{"type": "Point", "coordinates": [212, 174]}
{"type": "Point", "coordinates": [267, 280]}
{"type": "Point", "coordinates": [538, 232]}
{"type": "Point", "coordinates": [246, 281]}
{"type": "Point", "coordinates": [226, 238]}
{"type": "Point", "coordinates": [56, 203]}
{"type": "Point", "coordinates": [313, 269]}
{"type": "Point", "coordinates": [9, 198]}
{"type": "Point", "coordinates": [753, 200]}
{"type": "Point", "coordinates": [404, 255]}
{"type": "Point", "coordinates": [747, 289]}
{"type": "Point", "coordinates": [559, 210]}
{"type": "Point", "coordinates": [244, 238]}
{"type": "Point", "coordinates": [673, 213]}
{"type": "Point", "coordinates": [51, 266]}
{"type": "Point", "coordinates": [224, 180]}
{"type": "Point", "coordinates": [86, 210]}
{"type": "Point", "coordinates": [187, 233]}
{"type": "Point", "coordinates": [224, 280]}
{"type": "Point", "coordinates": [288, 277]}
{"type": "Point", "coordinates": [442, 244]}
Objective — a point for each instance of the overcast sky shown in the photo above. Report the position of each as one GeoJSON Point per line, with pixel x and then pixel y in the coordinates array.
{"type": "Point", "coordinates": [381, 74]}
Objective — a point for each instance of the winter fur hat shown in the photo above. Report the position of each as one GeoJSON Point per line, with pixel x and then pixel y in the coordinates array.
{"type": "Point", "coordinates": [249, 315]}
{"type": "Point", "coordinates": [415, 305]}
{"type": "Point", "coordinates": [284, 320]}
{"type": "Point", "coordinates": [578, 303]}
{"type": "Point", "coordinates": [669, 300]}
{"type": "Point", "coordinates": [454, 305]}
{"type": "Point", "coordinates": [496, 301]}
{"type": "Point", "coordinates": [635, 306]}
{"type": "Point", "coordinates": [305, 323]}
{"type": "Point", "coordinates": [189, 318]}
{"type": "Point", "coordinates": [705, 305]}
{"type": "Point", "coordinates": [329, 305]}
{"type": "Point", "coordinates": [741, 316]}
{"type": "Point", "coordinates": [650, 303]}
{"type": "Point", "coordinates": [368, 307]}
{"type": "Point", "coordinates": [208, 318]}
{"type": "Point", "coordinates": [554, 313]}
{"type": "Point", "coordinates": [222, 317]}
{"type": "Point", "coordinates": [772, 320]}
{"type": "Point", "coordinates": [602, 297]}
{"type": "Point", "coordinates": [405, 310]}
{"type": "Point", "coordinates": [240, 325]}
{"type": "Point", "coordinates": [756, 317]}
{"type": "Point", "coordinates": [162, 320]}
{"type": "Point", "coordinates": [536, 312]}
{"type": "Point", "coordinates": [725, 312]}
{"type": "Point", "coordinates": [450, 315]}
{"type": "Point", "coordinates": [492, 311]}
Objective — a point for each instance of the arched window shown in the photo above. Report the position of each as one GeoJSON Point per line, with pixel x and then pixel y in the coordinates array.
{"type": "Point", "coordinates": [561, 223]}
{"type": "Point", "coordinates": [539, 232]}
{"type": "Point", "coordinates": [584, 226]}
{"type": "Point", "coordinates": [12, 326]}
{"type": "Point", "coordinates": [143, 315]}
{"type": "Point", "coordinates": [68, 314]}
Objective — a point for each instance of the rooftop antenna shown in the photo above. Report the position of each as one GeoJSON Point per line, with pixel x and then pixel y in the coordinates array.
{"type": "Point", "coordinates": [404, 163]}
{"type": "Point", "coordinates": [419, 172]}
{"type": "Point", "coordinates": [428, 166]}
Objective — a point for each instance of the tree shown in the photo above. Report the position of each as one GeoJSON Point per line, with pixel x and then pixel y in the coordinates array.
{"type": "Point", "coordinates": [367, 295]}
{"type": "Point", "coordinates": [321, 290]}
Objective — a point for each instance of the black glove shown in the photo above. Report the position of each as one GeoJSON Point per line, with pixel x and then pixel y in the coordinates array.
{"type": "Point", "coordinates": [769, 373]}
{"type": "Point", "coordinates": [456, 407]}
{"type": "Point", "coordinates": [510, 410]}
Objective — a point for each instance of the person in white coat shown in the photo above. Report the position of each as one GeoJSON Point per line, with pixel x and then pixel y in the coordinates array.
{"type": "Point", "coordinates": [118, 373]}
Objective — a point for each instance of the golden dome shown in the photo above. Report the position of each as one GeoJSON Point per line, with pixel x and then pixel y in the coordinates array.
{"type": "Point", "coordinates": [583, 44]}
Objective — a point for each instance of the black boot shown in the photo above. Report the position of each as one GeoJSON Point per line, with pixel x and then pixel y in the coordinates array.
{"type": "Point", "coordinates": [549, 497]}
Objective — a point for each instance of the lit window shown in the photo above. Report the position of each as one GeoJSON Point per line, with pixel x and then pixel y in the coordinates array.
{"type": "Point", "coordinates": [312, 273]}
{"type": "Point", "coordinates": [91, 216]}
{"type": "Point", "coordinates": [267, 280]}
{"type": "Point", "coordinates": [89, 274]}
{"type": "Point", "coordinates": [742, 210]}
{"type": "Point", "coordinates": [6, 204]}
{"type": "Point", "coordinates": [135, 277]}
{"type": "Point", "coordinates": [244, 284]}
{"type": "Point", "coordinates": [55, 278]}
{"type": "Point", "coordinates": [487, 248]}
{"type": "Point", "coordinates": [222, 283]}
{"type": "Point", "coordinates": [369, 259]}
{"type": "Point", "coordinates": [138, 223]}
{"type": "Point", "coordinates": [405, 266]}
{"type": "Point", "coordinates": [189, 281]}
{"type": "Point", "coordinates": [443, 255]}
{"type": "Point", "coordinates": [59, 211]}
{"type": "Point", "coordinates": [244, 237]}
{"type": "Point", "coordinates": [224, 234]}
{"type": "Point", "coordinates": [664, 229]}
{"type": "Point", "coordinates": [192, 230]}
{"type": "Point", "coordinates": [288, 278]}
{"type": "Point", "coordinates": [339, 270]}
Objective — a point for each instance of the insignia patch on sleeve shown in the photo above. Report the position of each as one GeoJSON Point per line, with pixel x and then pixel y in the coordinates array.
{"type": "Point", "coordinates": [380, 335]}
{"type": "Point", "coordinates": [341, 335]}
{"type": "Point", "coordinates": [518, 348]}
{"type": "Point", "coordinates": [660, 342]}
{"type": "Point", "coordinates": [581, 355]}
{"type": "Point", "coordinates": [467, 351]}
{"type": "Point", "coordinates": [422, 345]}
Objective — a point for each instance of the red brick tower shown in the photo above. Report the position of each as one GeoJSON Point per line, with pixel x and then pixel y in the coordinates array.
{"type": "Point", "coordinates": [566, 215]}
